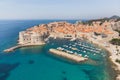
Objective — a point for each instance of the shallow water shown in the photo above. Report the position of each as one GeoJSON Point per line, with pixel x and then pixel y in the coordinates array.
{"type": "Point", "coordinates": [35, 63]}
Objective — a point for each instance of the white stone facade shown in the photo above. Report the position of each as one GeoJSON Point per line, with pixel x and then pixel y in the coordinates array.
{"type": "Point", "coordinates": [30, 38]}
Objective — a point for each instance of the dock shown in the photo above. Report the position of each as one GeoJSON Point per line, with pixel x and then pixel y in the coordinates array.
{"type": "Point", "coordinates": [73, 57]}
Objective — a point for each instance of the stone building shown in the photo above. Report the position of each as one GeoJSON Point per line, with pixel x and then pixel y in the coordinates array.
{"type": "Point", "coordinates": [30, 38]}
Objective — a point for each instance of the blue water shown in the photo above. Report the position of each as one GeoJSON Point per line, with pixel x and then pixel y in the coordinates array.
{"type": "Point", "coordinates": [35, 63]}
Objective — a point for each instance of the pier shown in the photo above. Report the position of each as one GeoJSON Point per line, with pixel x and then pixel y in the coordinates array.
{"type": "Point", "coordinates": [13, 48]}
{"type": "Point", "coordinates": [73, 57]}
{"type": "Point", "coordinates": [19, 46]}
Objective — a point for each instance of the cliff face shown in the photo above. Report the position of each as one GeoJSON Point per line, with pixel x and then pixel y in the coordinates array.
{"type": "Point", "coordinates": [116, 26]}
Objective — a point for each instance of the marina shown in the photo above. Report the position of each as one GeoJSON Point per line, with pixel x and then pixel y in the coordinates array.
{"type": "Point", "coordinates": [58, 69]}
{"type": "Point", "coordinates": [83, 48]}
{"type": "Point", "coordinates": [59, 40]}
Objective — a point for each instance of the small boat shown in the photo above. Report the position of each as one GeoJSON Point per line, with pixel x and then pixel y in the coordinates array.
{"type": "Point", "coordinates": [74, 45]}
{"type": "Point", "coordinates": [70, 47]}
{"type": "Point", "coordinates": [91, 50]}
{"type": "Point", "coordinates": [64, 45]}
{"type": "Point", "coordinates": [74, 48]}
{"type": "Point", "coordinates": [67, 51]}
{"type": "Point", "coordinates": [86, 56]}
{"type": "Point", "coordinates": [71, 52]}
{"type": "Point", "coordinates": [75, 53]}
{"type": "Point", "coordinates": [84, 51]}
{"type": "Point", "coordinates": [79, 54]}
{"type": "Point", "coordinates": [103, 55]}
{"type": "Point", "coordinates": [97, 52]}
{"type": "Point", "coordinates": [60, 48]}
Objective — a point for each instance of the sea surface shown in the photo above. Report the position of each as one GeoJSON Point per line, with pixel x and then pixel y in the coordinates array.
{"type": "Point", "coordinates": [36, 63]}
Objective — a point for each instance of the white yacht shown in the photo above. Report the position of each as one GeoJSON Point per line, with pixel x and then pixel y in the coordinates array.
{"type": "Point", "coordinates": [75, 53]}
{"type": "Point", "coordinates": [86, 56]}
{"type": "Point", "coordinates": [80, 54]}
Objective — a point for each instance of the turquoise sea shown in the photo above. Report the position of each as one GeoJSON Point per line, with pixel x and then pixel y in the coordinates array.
{"type": "Point", "coordinates": [35, 63]}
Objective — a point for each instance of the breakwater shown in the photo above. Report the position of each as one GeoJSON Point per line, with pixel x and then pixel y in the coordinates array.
{"type": "Point", "coordinates": [19, 46]}
{"type": "Point", "coordinates": [72, 57]}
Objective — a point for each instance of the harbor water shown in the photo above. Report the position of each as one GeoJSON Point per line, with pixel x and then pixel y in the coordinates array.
{"type": "Point", "coordinates": [36, 63]}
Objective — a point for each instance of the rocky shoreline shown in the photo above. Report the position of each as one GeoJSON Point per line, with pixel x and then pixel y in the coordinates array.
{"type": "Point", "coordinates": [112, 56]}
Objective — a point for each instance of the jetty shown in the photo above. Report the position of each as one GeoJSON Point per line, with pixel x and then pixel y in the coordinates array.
{"type": "Point", "coordinates": [73, 57]}
{"type": "Point", "coordinates": [13, 48]}
{"type": "Point", "coordinates": [21, 45]}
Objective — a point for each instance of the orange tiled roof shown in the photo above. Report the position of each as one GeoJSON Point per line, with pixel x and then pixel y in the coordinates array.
{"type": "Point", "coordinates": [67, 28]}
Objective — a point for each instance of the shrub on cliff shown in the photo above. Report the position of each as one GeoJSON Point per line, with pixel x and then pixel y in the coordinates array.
{"type": "Point", "coordinates": [115, 41]}
{"type": "Point", "coordinates": [117, 60]}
